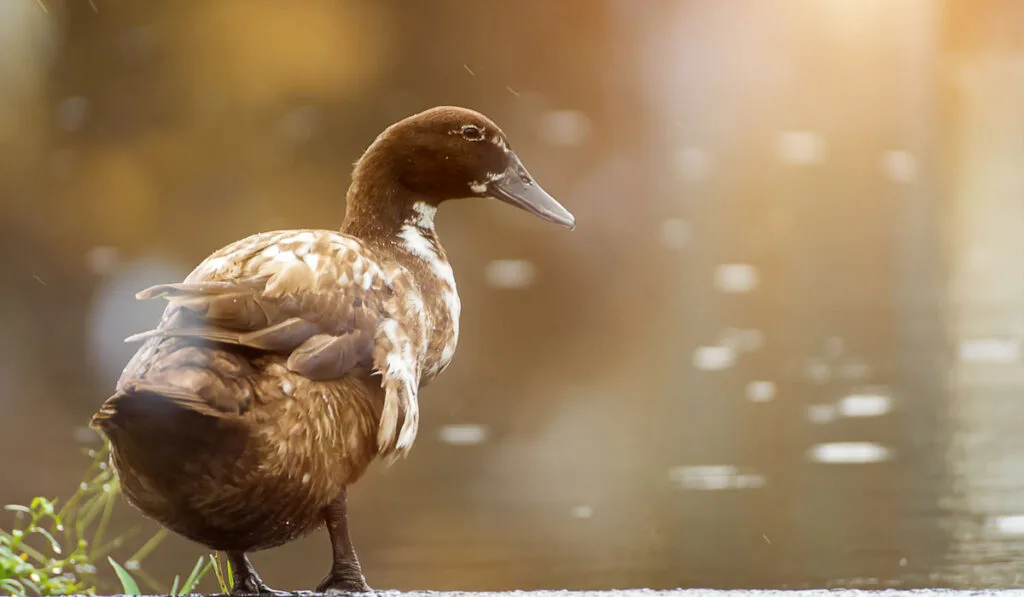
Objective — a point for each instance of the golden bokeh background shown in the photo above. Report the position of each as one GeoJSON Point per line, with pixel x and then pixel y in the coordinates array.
{"type": "Point", "coordinates": [782, 347]}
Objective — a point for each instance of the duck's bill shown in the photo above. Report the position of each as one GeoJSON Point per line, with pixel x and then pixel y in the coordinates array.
{"type": "Point", "coordinates": [518, 188]}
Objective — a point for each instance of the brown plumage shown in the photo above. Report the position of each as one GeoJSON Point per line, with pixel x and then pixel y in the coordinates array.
{"type": "Point", "coordinates": [287, 361]}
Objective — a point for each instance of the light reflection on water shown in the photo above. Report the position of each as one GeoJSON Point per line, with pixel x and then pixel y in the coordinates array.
{"type": "Point", "coordinates": [735, 373]}
{"type": "Point", "coordinates": [805, 480]}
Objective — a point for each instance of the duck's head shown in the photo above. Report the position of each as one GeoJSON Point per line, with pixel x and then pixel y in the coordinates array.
{"type": "Point", "coordinates": [447, 153]}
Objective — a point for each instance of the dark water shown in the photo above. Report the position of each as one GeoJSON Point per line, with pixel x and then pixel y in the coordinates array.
{"type": "Point", "coordinates": [769, 493]}
{"type": "Point", "coordinates": [781, 349]}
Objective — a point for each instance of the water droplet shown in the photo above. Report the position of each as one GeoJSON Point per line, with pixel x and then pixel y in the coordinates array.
{"type": "Point", "coordinates": [1008, 525]}
{"type": "Point", "coordinates": [715, 477]}
{"type": "Point", "coordinates": [849, 453]}
{"type": "Point", "coordinates": [463, 435]}
{"type": "Point", "coordinates": [990, 350]}
{"type": "Point", "coordinates": [510, 273]}
{"type": "Point", "coordinates": [714, 358]}
{"type": "Point", "coordinates": [865, 405]}
{"type": "Point", "coordinates": [760, 391]}
{"type": "Point", "coordinates": [899, 166]}
{"type": "Point", "coordinates": [800, 148]}
{"type": "Point", "coordinates": [736, 277]}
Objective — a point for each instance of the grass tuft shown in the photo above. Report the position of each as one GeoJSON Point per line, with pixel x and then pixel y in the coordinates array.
{"type": "Point", "coordinates": [53, 548]}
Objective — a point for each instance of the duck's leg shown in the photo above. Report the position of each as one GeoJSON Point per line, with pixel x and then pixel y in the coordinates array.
{"type": "Point", "coordinates": [247, 581]}
{"type": "Point", "coordinates": [346, 575]}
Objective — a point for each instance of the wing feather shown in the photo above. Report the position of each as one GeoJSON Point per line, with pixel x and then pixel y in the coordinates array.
{"type": "Point", "coordinates": [322, 304]}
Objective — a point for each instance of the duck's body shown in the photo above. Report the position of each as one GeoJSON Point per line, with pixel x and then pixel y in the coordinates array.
{"type": "Point", "coordinates": [287, 361]}
{"type": "Point", "coordinates": [273, 440]}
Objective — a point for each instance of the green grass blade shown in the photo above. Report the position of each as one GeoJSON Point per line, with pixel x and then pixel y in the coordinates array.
{"type": "Point", "coordinates": [85, 515]}
{"type": "Point", "coordinates": [149, 545]}
{"type": "Point", "coordinates": [15, 587]}
{"type": "Point", "coordinates": [35, 588]}
{"type": "Point", "coordinates": [16, 543]}
{"type": "Point", "coordinates": [148, 582]}
{"type": "Point", "coordinates": [53, 542]}
{"type": "Point", "coordinates": [101, 528]}
{"type": "Point", "coordinates": [99, 552]}
{"type": "Point", "coordinates": [215, 558]}
{"type": "Point", "coordinates": [174, 586]}
{"type": "Point", "coordinates": [197, 575]}
{"type": "Point", "coordinates": [127, 582]}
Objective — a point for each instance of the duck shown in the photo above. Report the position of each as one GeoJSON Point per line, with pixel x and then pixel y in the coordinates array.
{"type": "Point", "coordinates": [288, 361]}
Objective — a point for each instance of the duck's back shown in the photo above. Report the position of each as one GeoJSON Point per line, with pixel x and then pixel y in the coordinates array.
{"type": "Point", "coordinates": [250, 406]}
{"type": "Point", "coordinates": [311, 299]}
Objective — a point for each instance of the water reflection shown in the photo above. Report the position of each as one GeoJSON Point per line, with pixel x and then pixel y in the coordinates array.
{"type": "Point", "coordinates": [782, 348]}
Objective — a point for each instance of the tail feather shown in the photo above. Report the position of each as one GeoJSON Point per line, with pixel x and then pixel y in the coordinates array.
{"type": "Point", "coordinates": [148, 400]}
{"type": "Point", "coordinates": [101, 420]}
{"type": "Point", "coordinates": [159, 433]}
{"type": "Point", "coordinates": [181, 289]}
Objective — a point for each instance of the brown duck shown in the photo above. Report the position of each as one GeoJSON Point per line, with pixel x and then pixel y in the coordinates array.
{"type": "Point", "coordinates": [287, 361]}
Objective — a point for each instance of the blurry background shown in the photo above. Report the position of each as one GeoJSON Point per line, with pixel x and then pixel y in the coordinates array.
{"type": "Point", "coordinates": [782, 348]}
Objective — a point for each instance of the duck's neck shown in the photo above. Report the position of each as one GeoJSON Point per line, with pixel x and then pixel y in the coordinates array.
{"type": "Point", "coordinates": [401, 225]}
{"type": "Point", "coordinates": [383, 213]}
{"type": "Point", "coordinates": [419, 250]}
{"type": "Point", "coordinates": [378, 206]}
{"type": "Point", "coordinates": [374, 214]}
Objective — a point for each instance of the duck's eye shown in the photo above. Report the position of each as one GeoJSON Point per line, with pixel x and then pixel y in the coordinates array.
{"type": "Point", "coordinates": [472, 133]}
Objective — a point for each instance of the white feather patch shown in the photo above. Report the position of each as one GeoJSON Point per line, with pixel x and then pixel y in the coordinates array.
{"type": "Point", "coordinates": [424, 215]}
{"type": "Point", "coordinates": [400, 381]}
{"type": "Point", "coordinates": [414, 302]}
{"type": "Point", "coordinates": [286, 257]}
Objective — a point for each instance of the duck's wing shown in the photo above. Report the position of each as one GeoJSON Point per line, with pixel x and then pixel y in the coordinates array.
{"type": "Point", "coordinates": [316, 296]}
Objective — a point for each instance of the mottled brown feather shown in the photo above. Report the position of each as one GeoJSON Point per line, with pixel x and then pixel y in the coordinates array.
{"type": "Point", "coordinates": [278, 358]}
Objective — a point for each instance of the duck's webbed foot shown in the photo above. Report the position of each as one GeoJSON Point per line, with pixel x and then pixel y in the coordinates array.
{"type": "Point", "coordinates": [247, 581]}
{"type": "Point", "coordinates": [346, 574]}
{"type": "Point", "coordinates": [340, 581]}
